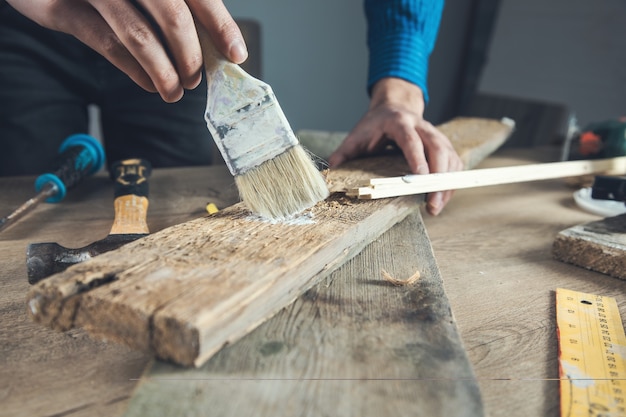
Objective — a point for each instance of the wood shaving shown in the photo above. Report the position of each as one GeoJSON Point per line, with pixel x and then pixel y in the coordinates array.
{"type": "Point", "coordinates": [400, 282]}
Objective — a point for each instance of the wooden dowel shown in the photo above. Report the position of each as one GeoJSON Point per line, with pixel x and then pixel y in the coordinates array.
{"type": "Point", "coordinates": [420, 184]}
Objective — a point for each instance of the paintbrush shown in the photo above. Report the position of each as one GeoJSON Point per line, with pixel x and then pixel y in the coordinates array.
{"type": "Point", "coordinates": [275, 176]}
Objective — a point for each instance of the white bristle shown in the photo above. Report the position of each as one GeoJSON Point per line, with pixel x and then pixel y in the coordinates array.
{"type": "Point", "coordinates": [282, 186]}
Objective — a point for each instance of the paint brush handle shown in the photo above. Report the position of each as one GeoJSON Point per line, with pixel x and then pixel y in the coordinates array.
{"type": "Point", "coordinates": [215, 63]}
{"type": "Point", "coordinates": [212, 58]}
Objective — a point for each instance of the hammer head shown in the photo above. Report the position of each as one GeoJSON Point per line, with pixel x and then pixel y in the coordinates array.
{"type": "Point", "coordinates": [45, 259]}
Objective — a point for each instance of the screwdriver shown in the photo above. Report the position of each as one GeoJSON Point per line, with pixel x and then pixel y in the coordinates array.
{"type": "Point", "coordinates": [80, 155]}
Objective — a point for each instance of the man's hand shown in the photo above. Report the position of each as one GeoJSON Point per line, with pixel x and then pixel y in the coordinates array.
{"type": "Point", "coordinates": [396, 114]}
{"type": "Point", "coordinates": [153, 41]}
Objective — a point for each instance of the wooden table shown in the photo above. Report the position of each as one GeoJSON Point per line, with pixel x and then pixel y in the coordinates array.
{"type": "Point", "coordinates": [492, 245]}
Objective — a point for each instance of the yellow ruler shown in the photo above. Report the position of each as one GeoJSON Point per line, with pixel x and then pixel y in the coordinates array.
{"type": "Point", "coordinates": [592, 355]}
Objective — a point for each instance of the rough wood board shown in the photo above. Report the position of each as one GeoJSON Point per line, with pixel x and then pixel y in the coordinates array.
{"type": "Point", "coordinates": [190, 289]}
{"type": "Point", "coordinates": [45, 373]}
{"type": "Point", "coordinates": [186, 291]}
{"type": "Point", "coordinates": [599, 246]}
{"type": "Point", "coordinates": [353, 346]}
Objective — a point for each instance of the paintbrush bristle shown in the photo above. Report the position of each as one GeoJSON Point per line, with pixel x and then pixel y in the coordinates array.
{"type": "Point", "coordinates": [282, 186]}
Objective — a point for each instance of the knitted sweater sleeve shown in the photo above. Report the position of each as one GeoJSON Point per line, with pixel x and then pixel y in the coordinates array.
{"type": "Point", "coordinates": [401, 36]}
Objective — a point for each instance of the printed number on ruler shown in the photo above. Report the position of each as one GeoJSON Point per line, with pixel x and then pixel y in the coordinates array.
{"type": "Point", "coordinates": [592, 346]}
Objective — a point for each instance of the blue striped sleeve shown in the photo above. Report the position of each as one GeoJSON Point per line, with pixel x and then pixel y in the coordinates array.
{"type": "Point", "coordinates": [401, 36]}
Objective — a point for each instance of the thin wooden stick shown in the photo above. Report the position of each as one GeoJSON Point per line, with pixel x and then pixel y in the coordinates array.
{"type": "Point", "coordinates": [420, 184]}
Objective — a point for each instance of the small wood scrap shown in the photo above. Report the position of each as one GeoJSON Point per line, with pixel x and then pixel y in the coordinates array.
{"type": "Point", "coordinates": [400, 282]}
{"type": "Point", "coordinates": [599, 246]}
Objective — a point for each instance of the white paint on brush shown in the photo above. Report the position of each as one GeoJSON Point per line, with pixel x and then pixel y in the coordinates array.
{"type": "Point", "coordinates": [245, 119]}
{"type": "Point", "coordinates": [34, 306]}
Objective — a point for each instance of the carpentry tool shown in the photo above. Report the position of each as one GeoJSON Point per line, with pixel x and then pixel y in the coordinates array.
{"type": "Point", "coordinates": [80, 155]}
{"type": "Point", "coordinates": [599, 140]}
{"type": "Point", "coordinates": [275, 176]}
{"type": "Point", "coordinates": [609, 188]}
{"type": "Point", "coordinates": [420, 184]}
{"type": "Point", "coordinates": [592, 365]}
{"type": "Point", "coordinates": [131, 207]}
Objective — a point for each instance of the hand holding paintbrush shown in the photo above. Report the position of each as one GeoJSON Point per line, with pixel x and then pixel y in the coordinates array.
{"type": "Point", "coordinates": [275, 176]}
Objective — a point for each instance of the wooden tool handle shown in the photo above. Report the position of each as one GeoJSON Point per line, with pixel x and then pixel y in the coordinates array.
{"type": "Point", "coordinates": [420, 184]}
{"type": "Point", "coordinates": [131, 196]}
{"type": "Point", "coordinates": [215, 62]}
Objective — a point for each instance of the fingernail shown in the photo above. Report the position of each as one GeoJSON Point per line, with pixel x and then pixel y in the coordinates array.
{"type": "Point", "coordinates": [422, 169]}
{"type": "Point", "coordinates": [193, 82]}
{"type": "Point", "coordinates": [238, 51]}
{"type": "Point", "coordinates": [174, 96]}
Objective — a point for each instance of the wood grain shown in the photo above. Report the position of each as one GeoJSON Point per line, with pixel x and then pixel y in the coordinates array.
{"type": "Point", "coordinates": [599, 245]}
{"type": "Point", "coordinates": [44, 373]}
{"type": "Point", "coordinates": [205, 283]}
{"type": "Point", "coordinates": [186, 291]}
{"type": "Point", "coordinates": [493, 246]}
{"type": "Point", "coordinates": [352, 345]}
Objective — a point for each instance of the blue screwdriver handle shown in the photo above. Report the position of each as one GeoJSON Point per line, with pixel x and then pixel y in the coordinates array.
{"type": "Point", "coordinates": [80, 155]}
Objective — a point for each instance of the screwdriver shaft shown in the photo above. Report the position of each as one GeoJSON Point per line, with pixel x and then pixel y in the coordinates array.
{"type": "Point", "coordinates": [48, 190]}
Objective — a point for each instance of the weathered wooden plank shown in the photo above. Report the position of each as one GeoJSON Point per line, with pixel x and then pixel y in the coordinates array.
{"type": "Point", "coordinates": [45, 373]}
{"type": "Point", "coordinates": [355, 345]}
{"type": "Point", "coordinates": [599, 246]}
{"type": "Point", "coordinates": [188, 290]}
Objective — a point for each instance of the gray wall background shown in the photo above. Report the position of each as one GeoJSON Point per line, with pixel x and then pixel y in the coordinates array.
{"type": "Point", "coordinates": [565, 51]}
{"type": "Point", "coordinates": [314, 56]}
{"type": "Point", "coordinates": [569, 52]}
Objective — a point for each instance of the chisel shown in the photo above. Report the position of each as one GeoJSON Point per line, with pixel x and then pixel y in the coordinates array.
{"type": "Point", "coordinates": [79, 156]}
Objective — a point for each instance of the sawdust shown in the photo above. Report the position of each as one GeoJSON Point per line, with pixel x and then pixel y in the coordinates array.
{"type": "Point", "coordinates": [341, 208]}
{"type": "Point", "coordinates": [400, 282]}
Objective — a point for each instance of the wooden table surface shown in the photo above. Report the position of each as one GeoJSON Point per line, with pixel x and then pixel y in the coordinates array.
{"type": "Point", "coordinates": [493, 246]}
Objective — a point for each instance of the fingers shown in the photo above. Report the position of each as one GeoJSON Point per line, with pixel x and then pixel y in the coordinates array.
{"type": "Point", "coordinates": [426, 151]}
{"type": "Point", "coordinates": [154, 42]}
{"type": "Point", "coordinates": [80, 19]}
{"type": "Point", "coordinates": [214, 16]}
{"type": "Point", "coordinates": [424, 147]}
{"type": "Point", "coordinates": [405, 134]}
{"type": "Point", "coordinates": [140, 38]}
{"type": "Point", "coordinates": [176, 24]}
{"type": "Point", "coordinates": [442, 158]}
{"type": "Point", "coordinates": [363, 137]}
